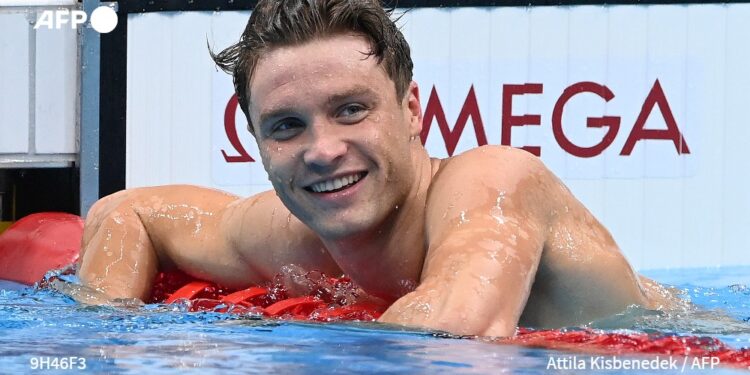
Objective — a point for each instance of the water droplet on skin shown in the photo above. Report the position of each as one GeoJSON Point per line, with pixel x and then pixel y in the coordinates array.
{"type": "Point", "coordinates": [424, 308]}
{"type": "Point", "coordinates": [512, 240]}
{"type": "Point", "coordinates": [463, 219]}
{"type": "Point", "coordinates": [497, 211]}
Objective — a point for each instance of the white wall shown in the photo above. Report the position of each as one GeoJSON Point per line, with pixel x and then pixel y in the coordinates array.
{"type": "Point", "coordinates": [38, 89]}
{"type": "Point", "coordinates": [665, 209]}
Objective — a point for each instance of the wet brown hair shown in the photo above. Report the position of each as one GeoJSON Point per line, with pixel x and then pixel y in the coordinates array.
{"type": "Point", "coordinates": [277, 23]}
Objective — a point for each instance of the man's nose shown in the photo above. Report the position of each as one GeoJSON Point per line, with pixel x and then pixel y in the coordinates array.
{"type": "Point", "coordinates": [326, 149]}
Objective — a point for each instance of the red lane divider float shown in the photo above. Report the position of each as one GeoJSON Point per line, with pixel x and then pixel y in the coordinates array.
{"type": "Point", "coordinates": [592, 341]}
{"type": "Point", "coordinates": [42, 242]}
{"type": "Point", "coordinates": [272, 302]}
{"type": "Point", "coordinates": [38, 243]}
{"type": "Point", "coordinates": [243, 296]}
{"type": "Point", "coordinates": [205, 296]}
{"type": "Point", "coordinates": [191, 291]}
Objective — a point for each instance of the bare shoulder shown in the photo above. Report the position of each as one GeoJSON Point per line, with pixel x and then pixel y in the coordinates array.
{"type": "Point", "coordinates": [480, 163]}
{"type": "Point", "coordinates": [486, 174]}
{"type": "Point", "coordinates": [499, 166]}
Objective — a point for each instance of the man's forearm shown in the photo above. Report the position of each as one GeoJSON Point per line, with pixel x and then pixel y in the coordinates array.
{"type": "Point", "coordinates": [119, 259]}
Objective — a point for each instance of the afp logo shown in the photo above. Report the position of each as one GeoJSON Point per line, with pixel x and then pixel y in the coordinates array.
{"type": "Point", "coordinates": [103, 19]}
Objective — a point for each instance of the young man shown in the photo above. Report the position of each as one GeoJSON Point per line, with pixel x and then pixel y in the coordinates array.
{"type": "Point", "coordinates": [474, 244]}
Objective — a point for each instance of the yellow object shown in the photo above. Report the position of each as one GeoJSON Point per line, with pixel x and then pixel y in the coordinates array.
{"type": "Point", "coordinates": [4, 225]}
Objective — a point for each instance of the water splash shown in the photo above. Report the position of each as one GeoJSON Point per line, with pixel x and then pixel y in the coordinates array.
{"type": "Point", "coordinates": [497, 211]}
{"type": "Point", "coordinates": [297, 281]}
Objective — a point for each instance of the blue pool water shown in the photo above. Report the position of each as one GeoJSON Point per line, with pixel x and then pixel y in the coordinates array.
{"type": "Point", "coordinates": [42, 325]}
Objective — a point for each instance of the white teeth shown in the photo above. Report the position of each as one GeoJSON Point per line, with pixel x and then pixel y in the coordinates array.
{"type": "Point", "coordinates": [336, 183]}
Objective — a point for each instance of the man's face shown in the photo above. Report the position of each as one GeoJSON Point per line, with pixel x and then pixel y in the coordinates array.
{"type": "Point", "coordinates": [334, 138]}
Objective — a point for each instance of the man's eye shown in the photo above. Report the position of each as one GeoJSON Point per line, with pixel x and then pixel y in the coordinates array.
{"type": "Point", "coordinates": [286, 129]}
{"type": "Point", "coordinates": [352, 112]}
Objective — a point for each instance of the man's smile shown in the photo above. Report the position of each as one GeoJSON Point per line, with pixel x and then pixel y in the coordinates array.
{"type": "Point", "coordinates": [336, 184]}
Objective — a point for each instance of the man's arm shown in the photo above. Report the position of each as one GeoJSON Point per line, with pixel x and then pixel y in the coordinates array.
{"type": "Point", "coordinates": [208, 234]}
{"type": "Point", "coordinates": [131, 234]}
{"type": "Point", "coordinates": [487, 220]}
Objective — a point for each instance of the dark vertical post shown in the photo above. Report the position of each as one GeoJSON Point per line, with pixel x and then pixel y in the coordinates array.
{"type": "Point", "coordinates": [112, 106]}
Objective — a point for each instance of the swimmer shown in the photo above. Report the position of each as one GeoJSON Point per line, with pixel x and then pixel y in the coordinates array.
{"type": "Point", "coordinates": [474, 244]}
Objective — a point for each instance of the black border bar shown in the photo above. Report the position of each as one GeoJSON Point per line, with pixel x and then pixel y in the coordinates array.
{"type": "Point", "coordinates": [148, 6]}
{"type": "Point", "coordinates": [113, 74]}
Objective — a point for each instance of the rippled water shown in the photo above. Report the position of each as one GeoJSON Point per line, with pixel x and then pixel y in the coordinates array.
{"type": "Point", "coordinates": [38, 324]}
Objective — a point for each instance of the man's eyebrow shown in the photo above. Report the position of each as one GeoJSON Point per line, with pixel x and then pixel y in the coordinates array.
{"type": "Point", "coordinates": [357, 91]}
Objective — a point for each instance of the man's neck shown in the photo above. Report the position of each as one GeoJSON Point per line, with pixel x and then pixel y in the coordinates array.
{"type": "Point", "coordinates": [388, 260]}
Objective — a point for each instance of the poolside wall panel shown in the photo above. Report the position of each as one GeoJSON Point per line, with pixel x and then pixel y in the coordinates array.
{"type": "Point", "coordinates": [56, 88]}
{"type": "Point", "coordinates": [38, 89]}
{"type": "Point", "coordinates": [665, 209]}
{"type": "Point", "coordinates": [14, 83]}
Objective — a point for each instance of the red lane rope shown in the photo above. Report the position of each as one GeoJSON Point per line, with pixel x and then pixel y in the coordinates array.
{"type": "Point", "coordinates": [274, 303]}
{"type": "Point", "coordinates": [271, 302]}
{"type": "Point", "coordinates": [192, 290]}
{"type": "Point", "coordinates": [245, 296]}
{"type": "Point", "coordinates": [592, 341]}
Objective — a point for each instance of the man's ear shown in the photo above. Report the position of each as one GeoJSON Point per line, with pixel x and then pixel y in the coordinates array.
{"type": "Point", "coordinates": [415, 109]}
